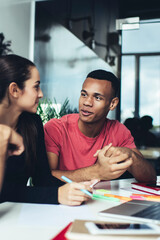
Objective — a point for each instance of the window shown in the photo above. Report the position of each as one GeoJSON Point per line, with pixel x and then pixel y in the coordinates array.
{"type": "Point", "coordinates": [127, 87]}
{"type": "Point", "coordinates": [140, 87]}
{"type": "Point", "coordinates": [150, 87]}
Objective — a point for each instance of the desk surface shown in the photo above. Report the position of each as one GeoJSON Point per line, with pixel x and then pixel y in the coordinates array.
{"type": "Point", "coordinates": [42, 222]}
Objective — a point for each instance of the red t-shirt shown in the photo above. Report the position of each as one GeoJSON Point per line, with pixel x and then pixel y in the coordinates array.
{"type": "Point", "coordinates": [74, 149]}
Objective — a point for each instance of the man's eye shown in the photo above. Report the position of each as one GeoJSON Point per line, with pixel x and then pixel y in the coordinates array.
{"type": "Point", "coordinates": [98, 98]}
{"type": "Point", "coordinates": [83, 94]}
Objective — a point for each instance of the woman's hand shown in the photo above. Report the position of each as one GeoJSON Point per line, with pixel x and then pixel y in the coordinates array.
{"type": "Point", "coordinates": [16, 146]}
{"type": "Point", "coordinates": [70, 193]}
{"type": "Point", "coordinates": [11, 143]}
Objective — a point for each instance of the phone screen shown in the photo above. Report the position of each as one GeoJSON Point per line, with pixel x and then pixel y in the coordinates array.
{"type": "Point", "coordinates": [122, 226]}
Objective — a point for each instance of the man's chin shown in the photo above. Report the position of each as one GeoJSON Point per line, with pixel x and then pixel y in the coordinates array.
{"type": "Point", "coordinates": [86, 119]}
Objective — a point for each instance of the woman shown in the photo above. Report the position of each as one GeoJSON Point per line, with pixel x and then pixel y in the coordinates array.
{"type": "Point", "coordinates": [19, 96]}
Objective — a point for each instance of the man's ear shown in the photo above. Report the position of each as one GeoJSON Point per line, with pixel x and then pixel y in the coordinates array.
{"type": "Point", "coordinates": [14, 90]}
{"type": "Point", "coordinates": [114, 103]}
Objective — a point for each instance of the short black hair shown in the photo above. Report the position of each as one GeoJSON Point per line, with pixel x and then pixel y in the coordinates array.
{"type": "Point", "coordinates": [105, 75]}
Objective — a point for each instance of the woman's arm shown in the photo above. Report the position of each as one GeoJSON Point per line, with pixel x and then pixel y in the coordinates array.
{"type": "Point", "coordinates": [15, 187]}
{"type": "Point", "coordinates": [46, 189]}
{"type": "Point", "coordinates": [11, 143]}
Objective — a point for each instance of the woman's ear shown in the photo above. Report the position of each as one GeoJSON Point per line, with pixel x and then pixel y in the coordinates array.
{"type": "Point", "coordinates": [14, 90]}
{"type": "Point", "coordinates": [114, 103]}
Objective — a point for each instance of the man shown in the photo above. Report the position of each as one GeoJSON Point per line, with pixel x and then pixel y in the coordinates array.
{"type": "Point", "coordinates": [11, 143]}
{"type": "Point", "coordinates": [72, 141]}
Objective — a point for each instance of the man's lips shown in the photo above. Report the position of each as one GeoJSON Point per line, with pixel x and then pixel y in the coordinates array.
{"type": "Point", "coordinates": [86, 113]}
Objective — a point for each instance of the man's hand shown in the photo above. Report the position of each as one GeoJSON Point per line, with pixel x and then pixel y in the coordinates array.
{"type": "Point", "coordinates": [120, 159]}
{"type": "Point", "coordinates": [112, 162]}
{"type": "Point", "coordinates": [117, 151]}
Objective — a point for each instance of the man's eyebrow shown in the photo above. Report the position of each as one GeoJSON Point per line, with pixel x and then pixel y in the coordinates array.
{"type": "Point", "coordinates": [99, 94]}
{"type": "Point", "coordinates": [95, 94]}
{"type": "Point", "coordinates": [83, 90]}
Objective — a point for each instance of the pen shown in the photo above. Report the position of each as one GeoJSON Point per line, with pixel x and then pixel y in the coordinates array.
{"type": "Point", "coordinates": [94, 183]}
{"type": "Point", "coordinates": [83, 190]}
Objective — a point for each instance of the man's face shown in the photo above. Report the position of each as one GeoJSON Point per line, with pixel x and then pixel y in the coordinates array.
{"type": "Point", "coordinates": [95, 100]}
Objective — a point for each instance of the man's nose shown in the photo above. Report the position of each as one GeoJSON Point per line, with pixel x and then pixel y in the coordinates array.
{"type": "Point", "coordinates": [88, 101]}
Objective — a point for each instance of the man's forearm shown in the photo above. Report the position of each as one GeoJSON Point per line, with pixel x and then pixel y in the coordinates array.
{"type": "Point", "coordinates": [106, 168]}
{"type": "Point", "coordinates": [141, 169]}
{"type": "Point", "coordinates": [79, 175]}
{"type": "Point", "coordinates": [95, 171]}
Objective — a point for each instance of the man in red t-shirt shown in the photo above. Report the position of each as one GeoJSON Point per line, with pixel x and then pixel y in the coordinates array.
{"type": "Point", "coordinates": [72, 141]}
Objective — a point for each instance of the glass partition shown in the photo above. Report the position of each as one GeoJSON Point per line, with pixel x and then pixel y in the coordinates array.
{"type": "Point", "coordinates": [63, 61]}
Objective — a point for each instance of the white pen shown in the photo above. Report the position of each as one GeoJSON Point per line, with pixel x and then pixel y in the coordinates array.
{"type": "Point", "coordinates": [94, 183]}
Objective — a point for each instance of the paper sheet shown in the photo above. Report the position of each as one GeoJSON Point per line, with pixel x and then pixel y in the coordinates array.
{"type": "Point", "coordinates": [52, 215]}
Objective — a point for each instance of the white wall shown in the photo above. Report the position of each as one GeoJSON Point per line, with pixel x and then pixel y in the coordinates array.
{"type": "Point", "coordinates": [17, 24]}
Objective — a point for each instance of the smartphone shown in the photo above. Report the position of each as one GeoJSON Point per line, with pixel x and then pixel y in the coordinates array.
{"type": "Point", "coordinates": [122, 228]}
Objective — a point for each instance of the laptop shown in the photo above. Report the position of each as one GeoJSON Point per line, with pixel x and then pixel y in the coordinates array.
{"type": "Point", "coordinates": [137, 210]}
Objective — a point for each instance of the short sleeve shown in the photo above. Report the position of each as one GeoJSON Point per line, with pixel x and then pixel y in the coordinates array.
{"type": "Point", "coordinates": [125, 137]}
{"type": "Point", "coordinates": [53, 136]}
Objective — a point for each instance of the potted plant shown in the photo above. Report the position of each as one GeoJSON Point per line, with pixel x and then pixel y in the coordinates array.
{"type": "Point", "coordinates": [47, 109]}
{"type": "Point", "coordinates": [4, 45]}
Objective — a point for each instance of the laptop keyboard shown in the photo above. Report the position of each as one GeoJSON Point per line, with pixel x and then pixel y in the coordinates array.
{"type": "Point", "coordinates": [152, 212]}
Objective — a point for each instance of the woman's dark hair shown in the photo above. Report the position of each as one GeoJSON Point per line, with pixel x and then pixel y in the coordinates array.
{"type": "Point", "coordinates": [13, 68]}
{"type": "Point", "coordinates": [108, 76]}
{"type": "Point", "coordinates": [17, 69]}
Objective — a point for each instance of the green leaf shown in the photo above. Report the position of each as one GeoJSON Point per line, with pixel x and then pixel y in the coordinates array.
{"type": "Point", "coordinates": [46, 110]}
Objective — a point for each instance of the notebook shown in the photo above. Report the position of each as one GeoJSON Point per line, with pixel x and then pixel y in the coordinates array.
{"type": "Point", "coordinates": [147, 187]}
{"type": "Point", "coordinates": [61, 234]}
{"type": "Point", "coordinates": [137, 210]}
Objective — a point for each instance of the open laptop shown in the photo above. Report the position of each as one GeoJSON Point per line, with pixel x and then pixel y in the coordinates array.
{"type": "Point", "coordinates": [137, 210]}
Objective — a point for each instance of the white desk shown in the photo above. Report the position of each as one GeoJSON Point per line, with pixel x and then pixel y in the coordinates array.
{"type": "Point", "coordinates": [19, 221]}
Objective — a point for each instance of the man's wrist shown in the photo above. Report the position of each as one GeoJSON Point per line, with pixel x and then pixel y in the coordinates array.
{"type": "Point", "coordinates": [98, 172]}
{"type": "Point", "coordinates": [95, 171]}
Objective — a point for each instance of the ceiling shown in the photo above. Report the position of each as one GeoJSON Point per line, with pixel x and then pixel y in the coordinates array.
{"type": "Point", "coordinates": [145, 9]}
